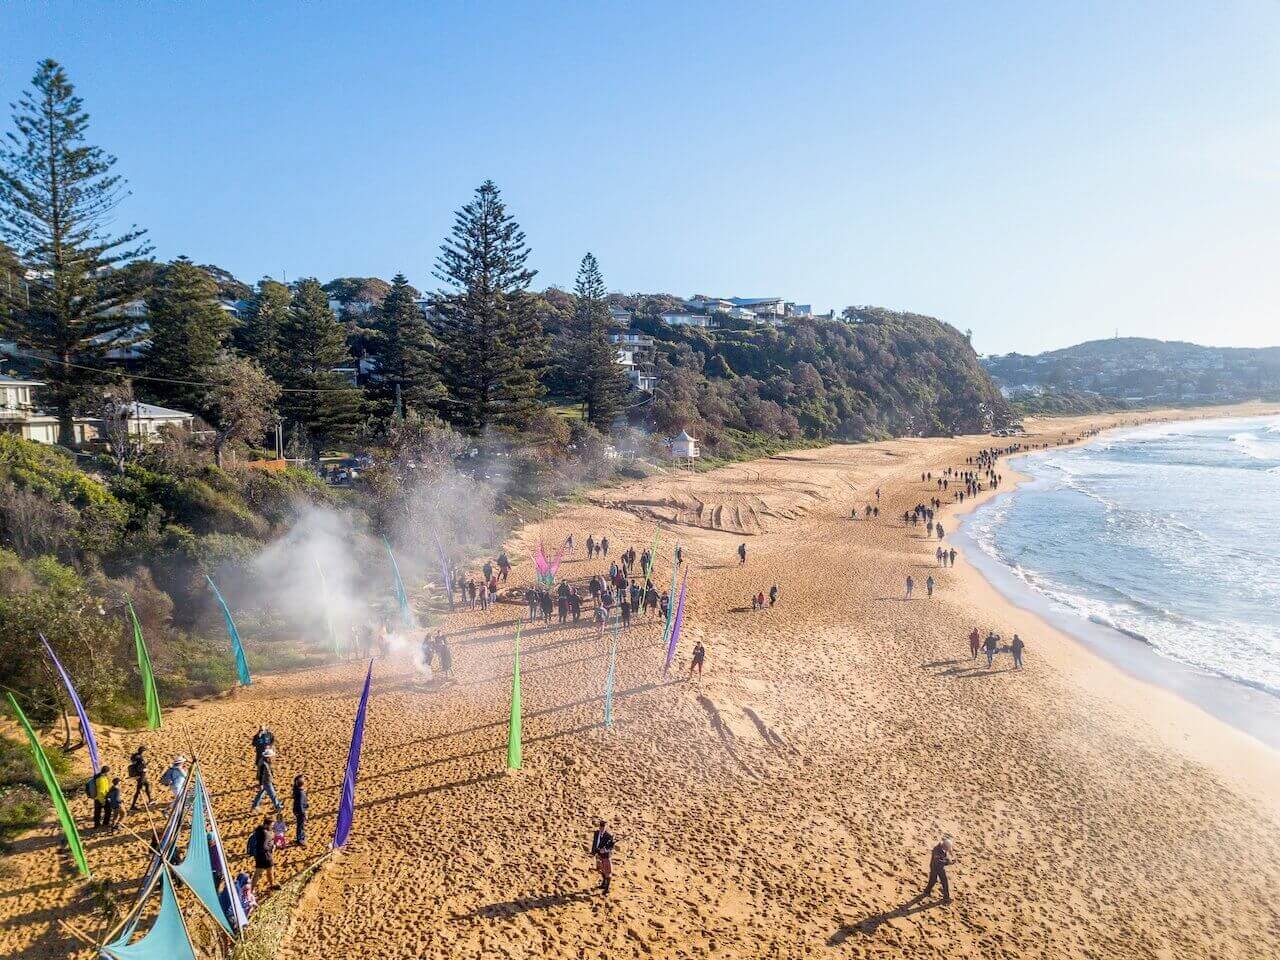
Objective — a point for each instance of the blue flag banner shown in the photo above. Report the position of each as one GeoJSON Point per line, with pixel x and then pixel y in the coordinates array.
{"type": "Point", "coordinates": [402, 597]}
{"type": "Point", "coordinates": [347, 805]}
{"type": "Point", "coordinates": [242, 665]}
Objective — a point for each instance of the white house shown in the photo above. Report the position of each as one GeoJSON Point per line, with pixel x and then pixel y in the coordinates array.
{"type": "Point", "coordinates": [642, 381]}
{"type": "Point", "coordinates": [685, 447]}
{"type": "Point", "coordinates": [689, 320]}
{"type": "Point", "coordinates": [619, 317]}
{"type": "Point", "coordinates": [762, 306]}
{"type": "Point", "coordinates": [19, 415]}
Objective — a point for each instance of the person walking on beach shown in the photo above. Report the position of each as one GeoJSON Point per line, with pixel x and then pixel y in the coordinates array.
{"type": "Point", "coordinates": [991, 645]}
{"type": "Point", "coordinates": [928, 585]}
{"type": "Point", "coordinates": [952, 556]}
{"type": "Point", "coordinates": [939, 859]}
{"type": "Point", "coordinates": [911, 585]}
{"type": "Point", "coordinates": [602, 844]}
{"type": "Point", "coordinates": [773, 595]}
{"type": "Point", "coordinates": [138, 773]}
{"type": "Point", "coordinates": [175, 778]}
{"type": "Point", "coordinates": [975, 644]}
{"type": "Point", "coordinates": [300, 806]}
{"type": "Point", "coordinates": [1017, 647]}
{"type": "Point", "coordinates": [266, 785]}
{"type": "Point", "coordinates": [742, 554]}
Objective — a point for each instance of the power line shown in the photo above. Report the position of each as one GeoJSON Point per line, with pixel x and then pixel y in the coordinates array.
{"type": "Point", "coordinates": [184, 383]}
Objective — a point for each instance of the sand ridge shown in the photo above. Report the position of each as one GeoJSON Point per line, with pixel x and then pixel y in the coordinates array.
{"type": "Point", "coordinates": [785, 805]}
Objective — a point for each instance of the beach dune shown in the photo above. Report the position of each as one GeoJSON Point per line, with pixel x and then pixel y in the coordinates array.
{"type": "Point", "coordinates": [782, 806]}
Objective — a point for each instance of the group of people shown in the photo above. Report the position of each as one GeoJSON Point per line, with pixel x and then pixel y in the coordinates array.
{"type": "Point", "coordinates": [758, 601]}
{"type": "Point", "coordinates": [271, 835]}
{"type": "Point", "coordinates": [991, 645]}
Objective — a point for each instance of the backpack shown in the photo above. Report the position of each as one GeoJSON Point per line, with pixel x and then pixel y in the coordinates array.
{"type": "Point", "coordinates": [135, 766]}
{"type": "Point", "coordinates": [251, 845]}
{"type": "Point", "coordinates": [91, 787]}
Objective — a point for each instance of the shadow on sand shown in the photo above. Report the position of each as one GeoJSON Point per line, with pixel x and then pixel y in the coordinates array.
{"type": "Point", "coordinates": [870, 925]}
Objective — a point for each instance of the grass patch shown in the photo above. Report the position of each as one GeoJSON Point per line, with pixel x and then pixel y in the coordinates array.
{"type": "Point", "coordinates": [270, 922]}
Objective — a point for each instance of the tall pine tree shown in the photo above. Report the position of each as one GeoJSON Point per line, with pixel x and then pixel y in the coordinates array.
{"type": "Point", "coordinates": [402, 347]}
{"type": "Point", "coordinates": [491, 342]}
{"type": "Point", "coordinates": [58, 196]}
{"type": "Point", "coordinates": [323, 403]}
{"type": "Point", "coordinates": [188, 329]}
{"type": "Point", "coordinates": [595, 371]}
{"type": "Point", "coordinates": [259, 335]}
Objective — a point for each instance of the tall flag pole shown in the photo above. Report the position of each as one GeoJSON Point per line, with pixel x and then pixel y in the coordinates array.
{"type": "Point", "coordinates": [328, 614]}
{"type": "Point", "coordinates": [144, 668]}
{"type": "Point", "coordinates": [402, 597]}
{"type": "Point", "coordinates": [86, 732]}
{"type": "Point", "coordinates": [55, 791]}
{"type": "Point", "coordinates": [676, 625]}
{"type": "Point", "coordinates": [514, 752]}
{"type": "Point", "coordinates": [608, 678]}
{"type": "Point", "coordinates": [242, 665]}
{"type": "Point", "coordinates": [347, 805]}
{"type": "Point", "coordinates": [653, 552]}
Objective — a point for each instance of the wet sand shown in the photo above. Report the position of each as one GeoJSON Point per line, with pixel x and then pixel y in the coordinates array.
{"type": "Point", "coordinates": [783, 806]}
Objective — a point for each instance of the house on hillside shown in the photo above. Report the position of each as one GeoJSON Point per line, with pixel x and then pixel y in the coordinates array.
{"type": "Point", "coordinates": [702, 321]}
{"type": "Point", "coordinates": [20, 416]}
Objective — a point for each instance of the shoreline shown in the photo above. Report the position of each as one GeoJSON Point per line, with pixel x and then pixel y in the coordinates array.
{"type": "Point", "coordinates": [1248, 709]}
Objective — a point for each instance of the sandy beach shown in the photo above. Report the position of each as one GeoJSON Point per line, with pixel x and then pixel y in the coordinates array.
{"type": "Point", "coordinates": [783, 806]}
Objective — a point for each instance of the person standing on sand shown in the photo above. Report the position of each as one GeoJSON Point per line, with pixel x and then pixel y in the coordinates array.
{"type": "Point", "coordinates": [928, 585]}
{"type": "Point", "coordinates": [300, 806]}
{"type": "Point", "coordinates": [1017, 647]}
{"type": "Point", "coordinates": [991, 645]}
{"type": "Point", "coordinates": [699, 656]}
{"type": "Point", "coordinates": [939, 859]}
{"type": "Point", "coordinates": [952, 554]}
{"type": "Point", "coordinates": [773, 595]}
{"type": "Point", "coordinates": [263, 855]}
{"type": "Point", "coordinates": [975, 643]}
{"type": "Point", "coordinates": [911, 585]}
{"type": "Point", "coordinates": [742, 554]}
{"type": "Point", "coordinates": [602, 844]}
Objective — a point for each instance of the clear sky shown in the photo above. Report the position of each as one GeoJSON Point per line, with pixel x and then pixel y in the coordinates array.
{"type": "Point", "coordinates": [1040, 173]}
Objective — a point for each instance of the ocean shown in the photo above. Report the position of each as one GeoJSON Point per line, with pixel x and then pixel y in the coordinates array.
{"type": "Point", "coordinates": [1166, 535]}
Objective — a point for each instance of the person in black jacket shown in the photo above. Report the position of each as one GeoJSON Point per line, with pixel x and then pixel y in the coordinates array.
{"type": "Point", "coordinates": [939, 859]}
{"type": "Point", "coordinates": [138, 773]}
{"type": "Point", "coordinates": [300, 809]}
{"type": "Point", "coordinates": [602, 844]}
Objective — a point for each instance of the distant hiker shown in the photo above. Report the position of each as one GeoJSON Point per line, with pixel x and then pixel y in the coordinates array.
{"type": "Point", "coordinates": [1017, 647]}
{"type": "Point", "coordinates": [300, 809]}
{"type": "Point", "coordinates": [760, 600]}
{"type": "Point", "coordinates": [938, 529]}
{"type": "Point", "coordinates": [98, 787]}
{"type": "Point", "coordinates": [604, 546]}
{"type": "Point", "coordinates": [911, 585]}
{"type": "Point", "coordinates": [939, 859]}
{"type": "Point", "coordinates": [504, 565]}
{"type": "Point", "coordinates": [975, 643]}
{"type": "Point", "coordinates": [742, 554]}
{"type": "Point", "coordinates": [445, 655]}
{"type": "Point", "coordinates": [952, 554]}
{"type": "Point", "coordinates": [266, 785]}
{"type": "Point", "coordinates": [115, 806]}
{"type": "Point", "coordinates": [699, 656]}
{"type": "Point", "coordinates": [773, 595]}
{"type": "Point", "coordinates": [259, 848]}
{"type": "Point", "coordinates": [602, 844]}
{"type": "Point", "coordinates": [175, 778]}
{"type": "Point", "coordinates": [625, 610]}
{"type": "Point", "coordinates": [991, 645]}
{"type": "Point", "coordinates": [679, 554]}
{"type": "Point", "coordinates": [928, 585]}
{"type": "Point", "coordinates": [591, 546]}
{"type": "Point", "coordinates": [138, 773]}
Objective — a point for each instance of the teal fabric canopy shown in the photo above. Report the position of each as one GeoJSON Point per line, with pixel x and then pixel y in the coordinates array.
{"type": "Point", "coordinates": [196, 869]}
{"type": "Point", "coordinates": [166, 940]}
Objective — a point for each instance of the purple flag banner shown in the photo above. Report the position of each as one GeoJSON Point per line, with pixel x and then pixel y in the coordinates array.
{"type": "Point", "coordinates": [676, 624]}
{"type": "Point", "coordinates": [85, 730]}
{"type": "Point", "coordinates": [347, 805]}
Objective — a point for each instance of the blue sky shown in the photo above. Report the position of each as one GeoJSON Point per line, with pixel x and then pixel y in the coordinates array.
{"type": "Point", "coordinates": [1039, 173]}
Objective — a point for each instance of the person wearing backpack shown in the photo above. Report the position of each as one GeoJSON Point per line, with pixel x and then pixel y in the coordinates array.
{"type": "Point", "coordinates": [98, 786]}
{"type": "Point", "coordinates": [138, 774]}
{"type": "Point", "coordinates": [259, 847]}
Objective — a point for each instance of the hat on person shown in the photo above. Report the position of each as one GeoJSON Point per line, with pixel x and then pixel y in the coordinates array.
{"type": "Point", "coordinates": [179, 759]}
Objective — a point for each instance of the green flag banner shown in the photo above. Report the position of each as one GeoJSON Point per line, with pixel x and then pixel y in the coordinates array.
{"type": "Point", "coordinates": [514, 755]}
{"type": "Point", "coordinates": [144, 668]}
{"type": "Point", "coordinates": [55, 791]}
{"type": "Point", "coordinates": [653, 553]}
{"type": "Point", "coordinates": [671, 598]}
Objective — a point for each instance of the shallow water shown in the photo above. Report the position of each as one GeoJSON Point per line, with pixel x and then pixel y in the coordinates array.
{"type": "Point", "coordinates": [1168, 533]}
